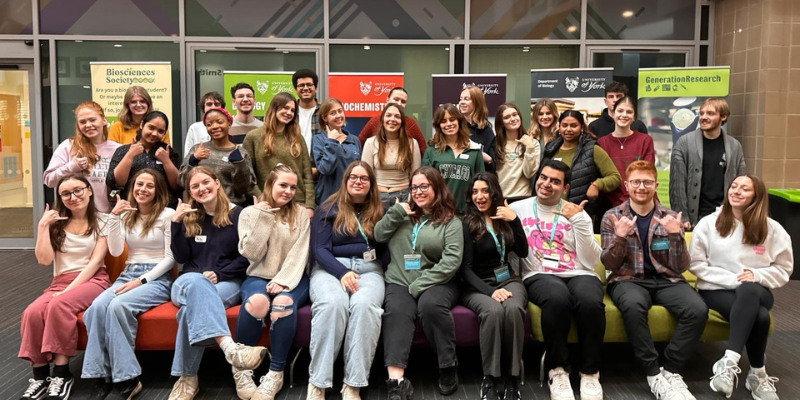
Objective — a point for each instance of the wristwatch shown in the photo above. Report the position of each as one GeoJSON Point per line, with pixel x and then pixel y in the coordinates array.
{"type": "Point", "coordinates": [143, 280]}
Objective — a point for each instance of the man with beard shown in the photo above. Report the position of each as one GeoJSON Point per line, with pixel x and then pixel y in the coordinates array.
{"type": "Point", "coordinates": [244, 101]}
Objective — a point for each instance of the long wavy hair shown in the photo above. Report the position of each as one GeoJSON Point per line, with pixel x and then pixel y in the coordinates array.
{"type": "Point", "coordinates": [291, 130]}
{"type": "Point", "coordinates": [476, 220]}
{"type": "Point", "coordinates": [538, 131]}
{"type": "Point", "coordinates": [151, 116]}
{"type": "Point", "coordinates": [160, 201]}
{"type": "Point", "coordinates": [754, 216]}
{"type": "Point", "coordinates": [287, 212]}
{"type": "Point", "coordinates": [502, 135]}
{"type": "Point", "coordinates": [325, 109]}
{"type": "Point", "coordinates": [81, 145]}
{"type": "Point", "coordinates": [405, 151]}
{"type": "Point", "coordinates": [443, 208]}
{"type": "Point", "coordinates": [125, 116]}
{"type": "Point", "coordinates": [480, 112]}
{"type": "Point", "coordinates": [371, 213]}
{"type": "Point", "coordinates": [221, 211]}
{"type": "Point", "coordinates": [438, 141]}
{"type": "Point", "coordinates": [58, 231]}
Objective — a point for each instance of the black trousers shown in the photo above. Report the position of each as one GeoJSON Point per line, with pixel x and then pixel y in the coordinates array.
{"type": "Point", "coordinates": [747, 309]}
{"type": "Point", "coordinates": [561, 299]}
{"type": "Point", "coordinates": [634, 297]}
{"type": "Point", "coordinates": [400, 310]}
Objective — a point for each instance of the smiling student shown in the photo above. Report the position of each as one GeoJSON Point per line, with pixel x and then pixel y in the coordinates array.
{"type": "Point", "coordinates": [135, 105]}
{"type": "Point", "coordinates": [197, 132]}
{"type": "Point", "coordinates": [244, 102]}
{"type": "Point", "coordinates": [544, 123]}
{"type": "Point", "coordinates": [332, 149]}
{"type": "Point", "coordinates": [517, 156]}
{"type": "Point", "coordinates": [472, 104]}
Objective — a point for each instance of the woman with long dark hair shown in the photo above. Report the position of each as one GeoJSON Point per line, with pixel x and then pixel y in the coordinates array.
{"type": "Point", "coordinates": [517, 156]}
{"type": "Point", "coordinates": [739, 255]}
{"type": "Point", "coordinates": [135, 105]}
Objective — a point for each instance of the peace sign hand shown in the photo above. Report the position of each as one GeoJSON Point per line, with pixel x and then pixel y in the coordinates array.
{"type": "Point", "coordinates": [122, 206]}
{"type": "Point", "coordinates": [406, 207]}
{"type": "Point", "coordinates": [263, 205]}
{"type": "Point", "coordinates": [622, 226]}
{"type": "Point", "coordinates": [670, 223]}
{"type": "Point", "coordinates": [181, 210]}
{"type": "Point", "coordinates": [49, 217]}
{"type": "Point", "coordinates": [568, 209]}
{"type": "Point", "coordinates": [505, 213]}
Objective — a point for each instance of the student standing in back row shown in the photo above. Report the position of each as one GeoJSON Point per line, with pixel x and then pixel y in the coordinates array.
{"type": "Point", "coordinates": [472, 104]}
{"type": "Point", "coordinates": [606, 124]}
{"type": "Point", "coordinates": [197, 131]}
{"type": "Point", "coordinates": [305, 82]}
{"type": "Point", "coordinates": [517, 156]}
{"type": "Point", "coordinates": [135, 105]}
{"type": "Point", "coordinates": [244, 101]}
{"type": "Point", "coordinates": [398, 96]}
{"type": "Point", "coordinates": [332, 149]}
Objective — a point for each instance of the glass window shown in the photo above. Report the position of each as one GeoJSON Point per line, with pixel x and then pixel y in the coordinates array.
{"type": "Point", "coordinates": [528, 19]}
{"type": "Point", "coordinates": [118, 17]}
{"type": "Point", "coordinates": [406, 59]}
{"type": "Point", "coordinates": [15, 154]}
{"type": "Point", "coordinates": [397, 19]}
{"type": "Point", "coordinates": [16, 17]}
{"type": "Point", "coordinates": [641, 19]}
{"type": "Point", "coordinates": [74, 85]}
{"type": "Point", "coordinates": [517, 62]}
{"type": "Point", "coordinates": [266, 18]}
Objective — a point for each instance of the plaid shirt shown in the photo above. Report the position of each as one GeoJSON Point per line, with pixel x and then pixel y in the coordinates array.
{"type": "Point", "coordinates": [624, 257]}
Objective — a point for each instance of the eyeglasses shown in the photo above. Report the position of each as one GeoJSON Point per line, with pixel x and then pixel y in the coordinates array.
{"type": "Point", "coordinates": [647, 183]}
{"type": "Point", "coordinates": [362, 178]}
{"type": "Point", "coordinates": [77, 192]}
{"type": "Point", "coordinates": [245, 96]}
{"type": "Point", "coordinates": [305, 85]}
{"type": "Point", "coordinates": [421, 188]}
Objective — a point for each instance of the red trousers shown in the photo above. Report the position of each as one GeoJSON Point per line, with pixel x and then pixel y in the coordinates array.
{"type": "Point", "coordinates": [50, 324]}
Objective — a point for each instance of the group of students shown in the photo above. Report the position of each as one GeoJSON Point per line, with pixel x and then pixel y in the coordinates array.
{"type": "Point", "coordinates": [379, 234]}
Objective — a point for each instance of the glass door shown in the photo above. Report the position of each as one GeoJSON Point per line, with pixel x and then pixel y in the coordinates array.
{"type": "Point", "coordinates": [627, 61]}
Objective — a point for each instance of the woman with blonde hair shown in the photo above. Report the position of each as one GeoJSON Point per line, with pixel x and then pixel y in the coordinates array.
{"type": "Point", "coordinates": [472, 104]}
{"type": "Point", "coordinates": [279, 142]}
{"type": "Point", "coordinates": [518, 155]}
{"type": "Point", "coordinates": [88, 153]}
{"type": "Point", "coordinates": [332, 149]}
{"type": "Point", "coordinates": [739, 255]}
{"type": "Point", "coordinates": [135, 105]}
{"type": "Point", "coordinates": [273, 235]}
{"type": "Point", "coordinates": [544, 122]}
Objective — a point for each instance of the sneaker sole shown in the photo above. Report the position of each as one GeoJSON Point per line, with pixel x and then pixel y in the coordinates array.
{"type": "Point", "coordinates": [261, 356]}
{"type": "Point", "coordinates": [727, 395]}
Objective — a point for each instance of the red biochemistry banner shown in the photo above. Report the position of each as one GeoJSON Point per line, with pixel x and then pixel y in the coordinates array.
{"type": "Point", "coordinates": [362, 94]}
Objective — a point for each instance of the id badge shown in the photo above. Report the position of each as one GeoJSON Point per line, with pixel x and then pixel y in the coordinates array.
{"type": "Point", "coordinates": [159, 162]}
{"type": "Point", "coordinates": [224, 158]}
{"type": "Point", "coordinates": [412, 261]}
{"type": "Point", "coordinates": [463, 156]}
{"type": "Point", "coordinates": [660, 244]}
{"type": "Point", "coordinates": [501, 273]}
{"type": "Point", "coordinates": [550, 263]}
{"type": "Point", "coordinates": [200, 238]}
{"type": "Point", "coordinates": [370, 255]}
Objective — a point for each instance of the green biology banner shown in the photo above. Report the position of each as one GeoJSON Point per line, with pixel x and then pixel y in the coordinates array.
{"type": "Point", "coordinates": [265, 83]}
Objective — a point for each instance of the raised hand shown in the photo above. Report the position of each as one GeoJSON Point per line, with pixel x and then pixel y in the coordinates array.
{"type": "Point", "coordinates": [622, 226]}
{"type": "Point", "coordinates": [568, 210]}
{"type": "Point", "coordinates": [49, 217]}
{"type": "Point", "coordinates": [202, 152]}
{"type": "Point", "coordinates": [181, 210]}
{"type": "Point", "coordinates": [135, 149]}
{"type": "Point", "coordinates": [332, 133]}
{"type": "Point", "coordinates": [526, 140]}
{"type": "Point", "coordinates": [501, 295]}
{"type": "Point", "coordinates": [162, 154]}
{"type": "Point", "coordinates": [122, 206]}
{"type": "Point", "coordinates": [406, 206]}
{"type": "Point", "coordinates": [670, 223]}
{"type": "Point", "coordinates": [687, 226]}
{"type": "Point", "coordinates": [350, 282]}
{"type": "Point", "coordinates": [263, 205]}
{"type": "Point", "coordinates": [505, 213]}
{"type": "Point", "coordinates": [82, 162]}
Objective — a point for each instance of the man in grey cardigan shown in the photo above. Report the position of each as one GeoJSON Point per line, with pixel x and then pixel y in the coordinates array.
{"type": "Point", "coordinates": [704, 163]}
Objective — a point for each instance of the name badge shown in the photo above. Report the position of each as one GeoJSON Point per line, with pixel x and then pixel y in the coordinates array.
{"type": "Point", "coordinates": [557, 159]}
{"type": "Point", "coordinates": [660, 244]}
{"type": "Point", "coordinates": [224, 158]}
{"type": "Point", "coordinates": [412, 261]}
{"type": "Point", "coordinates": [464, 156]}
{"type": "Point", "coordinates": [370, 255]}
{"type": "Point", "coordinates": [502, 273]}
{"type": "Point", "coordinates": [159, 162]}
{"type": "Point", "coordinates": [550, 263]}
{"type": "Point", "coordinates": [200, 238]}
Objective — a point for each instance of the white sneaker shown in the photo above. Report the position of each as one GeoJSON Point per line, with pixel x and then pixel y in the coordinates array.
{"type": "Point", "coordinates": [245, 386]}
{"type": "Point", "coordinates": [271, 384]}
{"type": "Point", "coordinates": [676, 380]}
{"type": "Point", "coordinates": [185, 388]}
{"type": "Point", "coordinates": [663, 390]}
{"type": "Point", "coordinates": [726, 376]}
{"type": "Point", "coordinates": [560, 388]}
{"type": "Point", "coordinates": [315, 393]}
{"type": "Point", "coordinates": [590, 387]}
{"type": "Point", "coordinates": [761, 386]}
{"type": "Point", "coordinates": [350, 393]}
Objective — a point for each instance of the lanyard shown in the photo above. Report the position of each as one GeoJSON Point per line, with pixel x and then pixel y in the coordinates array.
{"type": "Point", "coordinates": [414, 234]}
{"type": "Point", "coordinates": [361, 230]}
{"type": "Point", "coordinates": [555, 221]}
{"type": "Point", "coordinates": [500, 245]}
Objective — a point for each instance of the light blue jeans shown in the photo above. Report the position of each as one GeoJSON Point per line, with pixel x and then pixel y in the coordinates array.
{"type": "Point", "coordinates": [111, 325]}
{"type": "Point", "coordinates": [201, 317]}
{"type": "Point", "coordinates": [338, 316]}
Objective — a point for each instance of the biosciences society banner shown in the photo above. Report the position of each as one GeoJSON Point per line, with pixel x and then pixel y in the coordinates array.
{"type": "Point", "coordinates": [581, 89]}
{"type": "Point", "coordinates": [669, 103]}
{"type": "Point", "coordinates": [265, 83]}
{"type": "Point", "coordinates": [362, 94]}
{"type": "Point", "coordinates": [110, 81]}
{"type": "Point", "coordinates": [447, 89]}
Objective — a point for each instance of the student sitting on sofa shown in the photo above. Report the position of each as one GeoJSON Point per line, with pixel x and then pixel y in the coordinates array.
{"type": "Point", "coordinates": [645, 250]}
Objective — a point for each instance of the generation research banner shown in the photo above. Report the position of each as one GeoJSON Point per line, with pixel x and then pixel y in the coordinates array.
{"type": "Point", "coordinates": [362, 94]}
{"type": "Point", "coordinates": [110, 81]}
{"type": "Point", "coordinates": [266, 84]}
{"type": "Point", "coordinates": [581, 89]}
{"type": "Point", "coordinates": [669, 103]}
{"type": "Point", "coordinates": [447, 89]}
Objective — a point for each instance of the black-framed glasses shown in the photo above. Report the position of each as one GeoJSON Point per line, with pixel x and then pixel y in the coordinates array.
{"type": "Point", "coordinates": [362, 178]}
{"type": "Point", "coordinates": [305, 85]}
{"type": "Point", "coordinates": [78, 192]}
{"type": "Point", "coordinates": [648, 183]}
{"type": "Point", "coordinates": [421, 188]}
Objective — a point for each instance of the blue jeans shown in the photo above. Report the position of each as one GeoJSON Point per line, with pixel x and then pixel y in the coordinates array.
{"type": "Point", "coordinates": [111, 325]}
{"type": "Point", "coordinates": [201, 317]}
{"type": "Point", "coordinates": [353, 318]}
{"type": "Point", "coordinates": [281, 330]}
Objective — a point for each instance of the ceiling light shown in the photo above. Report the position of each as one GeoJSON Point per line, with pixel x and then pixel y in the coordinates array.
{"type": "Point", "coordinates": [79, 41]}
{"type": "Point", "coordinates": [117, 45]}
{"type": "Point", "coordinates": [87, 87]}
{"type": "Point", "coordinates": [572, 28]}
{"type": "Point", "coordinates": [366, 47]}
{"type": "Point", "coordinates": [447, 48]}
{"type": "Point", "coordinates": [203, 51]}
{"type": "Point", "coordinates": [627, 14]}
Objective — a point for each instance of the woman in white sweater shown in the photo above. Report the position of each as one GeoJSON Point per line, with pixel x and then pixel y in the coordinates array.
{"type": "Point", "coordinates": [143, 221]}
{"type": "Point", "coordinates": [274, 236]}
{"type": "Point", "coordinates": [738, 255]}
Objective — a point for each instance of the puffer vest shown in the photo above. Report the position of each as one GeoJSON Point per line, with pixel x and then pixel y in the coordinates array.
{"type": "Point", "coordinates": [584, 171]}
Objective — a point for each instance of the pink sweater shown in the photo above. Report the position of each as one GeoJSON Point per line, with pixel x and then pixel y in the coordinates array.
{"type": "Point", "coordinates": [62, 163]}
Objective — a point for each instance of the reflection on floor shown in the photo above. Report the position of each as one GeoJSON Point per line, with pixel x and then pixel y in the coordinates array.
{"type": "Point", "coordinates": [16, 222]}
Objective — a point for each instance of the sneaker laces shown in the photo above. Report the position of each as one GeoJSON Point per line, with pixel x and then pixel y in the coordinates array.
{"type": "Point", "coordinates": [767, 384]}
{"type": "Point", "coordinates": [661, 387]}
{"type": "Point", "coordinates": [561, 381]}
{"type": "Point", "coordinates": [729, 374]}
{"type": "Point", "coordinates": [267, 385]}
{"type": "Point", "coordinates": [244, 373]}
{"type": "Point", "coordinates": [55, 386]}
{"type": "Point", "coordinates": [591, 382]}
{"type": "Point", "coordinates": [33, 386]}
{"type": "Point", "coordinates": [677, 382]}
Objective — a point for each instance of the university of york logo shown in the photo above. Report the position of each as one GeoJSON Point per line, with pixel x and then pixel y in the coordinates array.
{"type": "Point", "coordinates": [262, 86]}
{"type": "Point", "coordinates": [365, 87]}
{"type": "Point", "coordinates": [572, 83]}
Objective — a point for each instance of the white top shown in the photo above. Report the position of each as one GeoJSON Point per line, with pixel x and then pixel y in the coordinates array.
{"type": "Point", "coordinates": [197, 134]}
{"type": "Point", "coordinates": [717, 261]}
{"type": "Point", "coordinates": [574, 245]}
{"type": "Point", "coordinates": [151, 249]}
{"type": "Point", "coordinates": [389, 173]}
{"type": "Point", "coordinates": [78, 250]}
{"type": "Point", "coordinates": [518, 169]}
{"type": "Point", "coordinates": [304, 119]}
{"type": "Point", "coordinates": [63, 163]}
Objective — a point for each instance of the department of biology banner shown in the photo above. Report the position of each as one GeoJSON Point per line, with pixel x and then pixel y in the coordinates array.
{"type": "Point", "coordinates": [110, 81]}
{"type": "Point", "coordinates": [581, 89]}
{"type": "Point", "coordinates": [447, 89]}
{"type": "Point", "coordinates": [265, 83]}
{"type": "Point", "coordinates": [669, 103]}
{"type": "Point", "coordinates": [362, 94]}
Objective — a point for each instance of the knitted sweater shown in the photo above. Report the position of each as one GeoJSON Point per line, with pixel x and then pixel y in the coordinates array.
{"type": "Point", "coordinates": [235, 174]}
{"type": "Point", "coordinates": [281, 153]}
{"type": "Point", "coordinates": [275, 252]}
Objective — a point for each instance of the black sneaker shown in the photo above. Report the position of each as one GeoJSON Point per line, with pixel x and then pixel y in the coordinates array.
{"type": "Point", "coordinates": [401, 390]}
{"type": "Point", "coordinates": [125, 390]}
{"type": "Point", "coordinates": [511, 390]}
{"type": "Point", "coordinates": [489, 389]}
{"type": "Point", "coordinates": [101, 389]}
{"type": "Point", "coordinates": [59, 388]}
{"type": "Point", "coordinates": [448, 380]}
{"type": "Point", "coordinates": [36, 390]}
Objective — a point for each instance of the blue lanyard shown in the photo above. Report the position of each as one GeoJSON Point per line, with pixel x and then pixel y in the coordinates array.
{"type": "Point", "coordinates": [500, 245]}
{"type": "Point", "coordinates": [361, 230]}
{"type": "Point", "coordinates": [414, 234]}
{"type": "Point", "coordinates": [555, 221]}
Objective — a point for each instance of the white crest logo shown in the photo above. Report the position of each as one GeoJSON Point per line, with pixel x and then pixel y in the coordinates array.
{"type": "Point", "coordinates": [365, 87]}
{"type": "Point", "coordinates": [572, 84]}
{"type": "Point", "coordinates": [262, 86]}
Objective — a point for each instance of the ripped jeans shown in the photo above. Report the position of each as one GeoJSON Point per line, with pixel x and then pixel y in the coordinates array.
{"type": "Point", "coordinates": [281, 309]}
